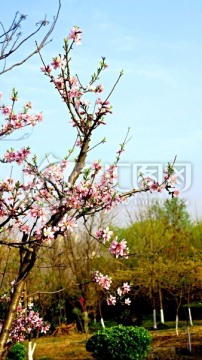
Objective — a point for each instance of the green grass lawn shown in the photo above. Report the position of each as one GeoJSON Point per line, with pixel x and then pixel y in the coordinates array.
{"type": "Point", "coordinates": [62, 347]}
{"type": "Point", "coordinates": [72, 346]}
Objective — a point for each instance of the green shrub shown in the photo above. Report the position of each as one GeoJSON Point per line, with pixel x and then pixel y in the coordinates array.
{"type": "Point", "coordinates": [17, 352]}
{"type": "Point", "coordinates": [120, 343]}
{"type": "Point", "coordinates": [94, 327]}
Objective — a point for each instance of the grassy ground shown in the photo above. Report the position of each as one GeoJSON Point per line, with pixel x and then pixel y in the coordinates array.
{"type": "Point", "coordinates": [165, 345]}
{"type": "Point", "coordinates": [62, 347]}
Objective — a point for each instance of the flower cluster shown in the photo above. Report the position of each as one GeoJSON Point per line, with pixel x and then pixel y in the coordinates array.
{"type": "Point", "coordinates": [18, 156]}
{"type": "Point", "coordinates": [104, 107]}
{"type": "Point", "coordinates": [67, 223]}
{"type": "Point", "coordinates": [103, 280]}
{"type": "Point", "coordinates": [48, 193]}
{"type": "Point", "coordinates": [91, 195]}
{"type": "Point", "coordinates": [104, 234]}
{"type": "Point", "coordinates": [75, 35]}
{"type": "Point", "coordinates": [25, 323]}
{"type": "Point", "coordinates": [112, 300]}
{"type": "Point", "coordinates": [119, 248]}
{"type": "Point", "coordinates": [170, 180]}
{"type": "Point", "coordinates": [55, 172]}
{"type": "Point", "coordinates": [14, 121]}
{"type": "Point", "coordinates": [124, 289]}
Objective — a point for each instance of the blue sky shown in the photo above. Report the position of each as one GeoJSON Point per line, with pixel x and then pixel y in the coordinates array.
{"type": "Point", "coordinates": [158, 44]}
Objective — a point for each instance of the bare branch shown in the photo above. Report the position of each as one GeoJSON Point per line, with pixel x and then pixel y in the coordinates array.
{"type": "Point", "coordinates": [12, 29]}
{"type": "Point", "coordinates": [46, 292]}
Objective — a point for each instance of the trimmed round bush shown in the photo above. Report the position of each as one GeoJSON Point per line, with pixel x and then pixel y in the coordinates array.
{"type": "Point", "coordinates": [120, 343]}
{"type": "Point", "coordinates": [17, 352]}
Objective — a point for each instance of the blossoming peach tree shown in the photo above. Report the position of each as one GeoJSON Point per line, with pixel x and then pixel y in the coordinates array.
{"type": "Point", "coordinates": [50, 204]}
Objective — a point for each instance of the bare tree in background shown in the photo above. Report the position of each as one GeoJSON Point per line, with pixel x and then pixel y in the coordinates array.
{"type": "Point", "coordinates": [11, 39]}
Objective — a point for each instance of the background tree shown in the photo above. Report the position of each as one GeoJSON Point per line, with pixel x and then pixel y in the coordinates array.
{"type": "Point", "coordinates": [165, 259]}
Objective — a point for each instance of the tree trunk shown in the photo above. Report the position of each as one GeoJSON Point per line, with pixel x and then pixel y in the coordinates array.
{"type": "Point", "coordinates": [161, 306]}
{"type": "Point", "coordinates": [10, 317]}
{"type": "Point", "coordinates": [162, 316]}
{"type": "Point", "coordinates": [94, 318]}
{"type": "Point", "coordinates": [190, 317]}
{"type": "Point", "coordinates": [27, 261]}
{"type": "Point", "coordinates": [86, 320]}
{"type": "Point", "coordinates": [102, 322]}
{"type": "Point", "coordinates": [31, 349]}
{"type": "Point", "coordinates": [154, 313]}
{"type": "Point", "coordinates": [101, 318]}
{"type": "Point", "coordinates": [189, 338]}
{"type": "Point", "coordinates": [176, 324]}
{"type": "Point", "coordinates": [154, 319]}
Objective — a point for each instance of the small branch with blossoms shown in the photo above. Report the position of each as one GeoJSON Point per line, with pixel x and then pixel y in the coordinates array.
{"type": "Point", "coordinates": [148, 184]}
{"type": "Point", "coordinates": [117, 248]}
{"type": "Point", "coordinates": [72, 91]}
{"type": "Point", "coordinates": [16, 120]}
{"type": "Point", "coordinates": [27, 322]}
{"type": "Point", "coordinates": [119, 296]}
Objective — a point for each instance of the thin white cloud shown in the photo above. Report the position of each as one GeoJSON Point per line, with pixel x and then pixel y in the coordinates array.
{"type": "Point", "coordinates": [125, 43]}
{"type": "Point", "coordinates": [154, 74]}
